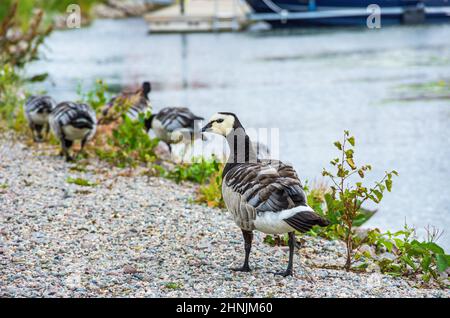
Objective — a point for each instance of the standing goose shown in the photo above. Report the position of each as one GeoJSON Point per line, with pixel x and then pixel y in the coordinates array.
{"type": "Point", "coordinates": [72, 121]}
{"type": "Point", "coordinates": [262, 195]}
{"type": "Point", "coordinates": [37, 111]}
{"type": "Point", "coordinates": [173, 125]}
{"type": "Point", "coordinates": [137, 101]}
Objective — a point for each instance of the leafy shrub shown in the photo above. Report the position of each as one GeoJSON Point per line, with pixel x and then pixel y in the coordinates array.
{"type": "Point", "coordinates": [345, 201]}
{"type": "Point", "coordinates": [20, 46]}
{"type": "Point", "coordinates": [51, 7]}
{"type": "Point", "coordinates": [211, 192]}
{"type": "Point", "coordinates": [412, 257]}
{"type": "Point", "coordinates": [97, 97]}
{"type": "Point", "coordinates": [129, 144]}
{"type": "Point", "coordinates": [12, 99]}
{"type": "Point", "coordinates": [199, 171]}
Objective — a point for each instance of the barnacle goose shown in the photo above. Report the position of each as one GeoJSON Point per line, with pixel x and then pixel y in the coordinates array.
{"type": "Point", "coordinates": [37, 111]}
{"type": "Point", "coordinates": [173, 125]}
{"type": "Point", "coordinates": [137, 102]}
{"type": "Point", "coordinates": [262, 195]}
{"type": "Point", "coordinates": [72, 121]}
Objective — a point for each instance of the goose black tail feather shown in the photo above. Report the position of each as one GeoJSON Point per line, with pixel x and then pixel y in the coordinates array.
{"type": "Point", "coordinates": [304, 221]}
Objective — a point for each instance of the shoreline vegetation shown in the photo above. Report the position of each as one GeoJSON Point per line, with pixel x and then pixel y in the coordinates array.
{"type": "Point", "coordinates": [57, 11]}
{"type": "Point", "coordinates": [121, 145]}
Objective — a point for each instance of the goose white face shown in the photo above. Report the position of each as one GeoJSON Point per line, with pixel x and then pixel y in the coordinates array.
{"type": "Point", "coordinates": [220, 124]}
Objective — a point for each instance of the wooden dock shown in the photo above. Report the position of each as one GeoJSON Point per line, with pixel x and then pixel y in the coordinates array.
{"type": "Point", "coordinates": [200, 16]}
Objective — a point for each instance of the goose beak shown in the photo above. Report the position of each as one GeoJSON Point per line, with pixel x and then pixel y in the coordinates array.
{"type": "Point", "coordinates": [206, 128]}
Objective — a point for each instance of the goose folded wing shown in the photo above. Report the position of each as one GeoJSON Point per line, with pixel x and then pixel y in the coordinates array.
{"type": "Point", "coordinates": [268, 186]}
{"type": "Point", "coordinates": [177, 118]}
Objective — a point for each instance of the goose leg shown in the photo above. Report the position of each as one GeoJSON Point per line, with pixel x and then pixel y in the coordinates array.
{"type": "Point", "coordinates": [39, 132]}
{"type": "Point", "coordinates": [83, 143]}
{"type": "Point", "coordinates": [47, 131]}
{"type": "Point", "coordinates": [33, 131]}
{"type": "Point", "coordinates": [66, 144]}
{"type": "Point", "coordinates": [289, 271]}
{"type": "Point", "coordinates": [248, 237]}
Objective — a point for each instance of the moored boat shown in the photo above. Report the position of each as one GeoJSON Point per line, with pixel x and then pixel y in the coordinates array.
{"type": "Point", "coordinates": [291, 13]}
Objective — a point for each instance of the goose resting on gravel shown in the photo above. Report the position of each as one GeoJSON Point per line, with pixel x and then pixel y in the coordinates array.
{"type": "Point", "coordinates": [262, 195]}
{"type": "Point", "coordinates": [72, 121]}
{"type": "Point", "coordinates": [37, 111]}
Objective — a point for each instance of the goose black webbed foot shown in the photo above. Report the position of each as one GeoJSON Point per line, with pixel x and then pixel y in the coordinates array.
{"type": "Point", "coordinates": [286, 273]}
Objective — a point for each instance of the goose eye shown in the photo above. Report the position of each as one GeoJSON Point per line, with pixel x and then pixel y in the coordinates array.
{"type": "Point", "coordinates": [219, 120]}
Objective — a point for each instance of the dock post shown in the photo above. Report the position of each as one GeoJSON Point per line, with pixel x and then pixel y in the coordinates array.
{"type": "Point", "coordinates": [312, 5]}
{"type": "Point", "coordinates": [235, 17]}
{"type": "Point", "coordinates": [182, 7]}
{"type": "Point", "coordinates": [215, 18]}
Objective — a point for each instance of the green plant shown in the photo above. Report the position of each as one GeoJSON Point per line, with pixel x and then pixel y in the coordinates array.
{"type": "Point", "coordinates": [345, 200]}
{"type": "Point", "coordinates": [411, 256]}
{"type": "Point", "coordinates": [96, 97]}
{"type": "Point", "coordinates": [199, 171]}
{"type": "Point", "coordinates": [129, 144]}
{"type": "Point", "coordinates": [173, 285]}
{"type": "Point", "coordinates": [12, 99]}
{"type": "Point", "coordinates": [51, 8]}
{"type": "Point", "coordinates": [19, 46]}
{"type": "Point", "coordinates": [81, 182]}
{"type": "Point", "coordinates": [211, 192]}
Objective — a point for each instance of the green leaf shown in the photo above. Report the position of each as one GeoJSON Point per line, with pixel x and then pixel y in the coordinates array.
{"type": "Point", "coordinates": [409, 261]}
{"type": "Point", "coordinates": [351, 163]}
{"type": "Point", "coordinates": [389, 245]}
{"type": "Point", "coordinates": [351, 140]}
{"type": "Point", "coordinates": [349, 153]}
{"type": "Point", "coordinates": [378, 194]}
{"type": "Point", "coordinates": [389, 185]}
{"type": "Point", "coordinates": [442, 263]}
{"type": "Point", "coordinates": [338, 145]}
{"type": "Point", "coordinates": [436, 249]}
{"type": "Point", "coordinates": [426, 262]}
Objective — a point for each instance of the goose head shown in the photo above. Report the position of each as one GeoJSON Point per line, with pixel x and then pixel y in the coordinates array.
{"type": "Point", "coordinates": [222, 124]}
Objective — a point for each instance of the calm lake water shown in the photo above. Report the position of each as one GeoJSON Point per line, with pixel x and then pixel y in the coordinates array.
{"type": "Point", "coordinates": [311, 84]}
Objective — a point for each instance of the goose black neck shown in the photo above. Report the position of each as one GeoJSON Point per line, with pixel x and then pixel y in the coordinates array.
{"type": "Point", "coordinates": [146, 89]}
{"type": "Point", "coordinates": [241, 149]}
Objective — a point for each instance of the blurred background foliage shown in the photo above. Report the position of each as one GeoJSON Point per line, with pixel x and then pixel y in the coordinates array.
{"type": "Point", "coordinates": [26, 8]}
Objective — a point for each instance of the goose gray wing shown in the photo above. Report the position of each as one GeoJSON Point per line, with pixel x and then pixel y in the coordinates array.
{"type": "Point", "coordinates": [176, 118]}
{"type": "Point", "coordinates": [69, 113]}
{"type": "Point", "coordinates": [267, 187]}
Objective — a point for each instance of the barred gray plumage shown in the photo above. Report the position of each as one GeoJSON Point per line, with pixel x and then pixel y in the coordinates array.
{"type": "Point", "coordinates": [174, 124]}
{"type": "Point", "coordinates": [37, 111]}
{"type": "Point", "coordinates": [137, 102]}
{"type": "Point", "coordinates": [73, 121]}
{"type": "Point", "coordinates": [263, 195]}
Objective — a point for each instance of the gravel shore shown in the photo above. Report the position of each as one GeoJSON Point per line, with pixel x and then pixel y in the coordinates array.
{"type": "Point", "coordinates": [135, 236]}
